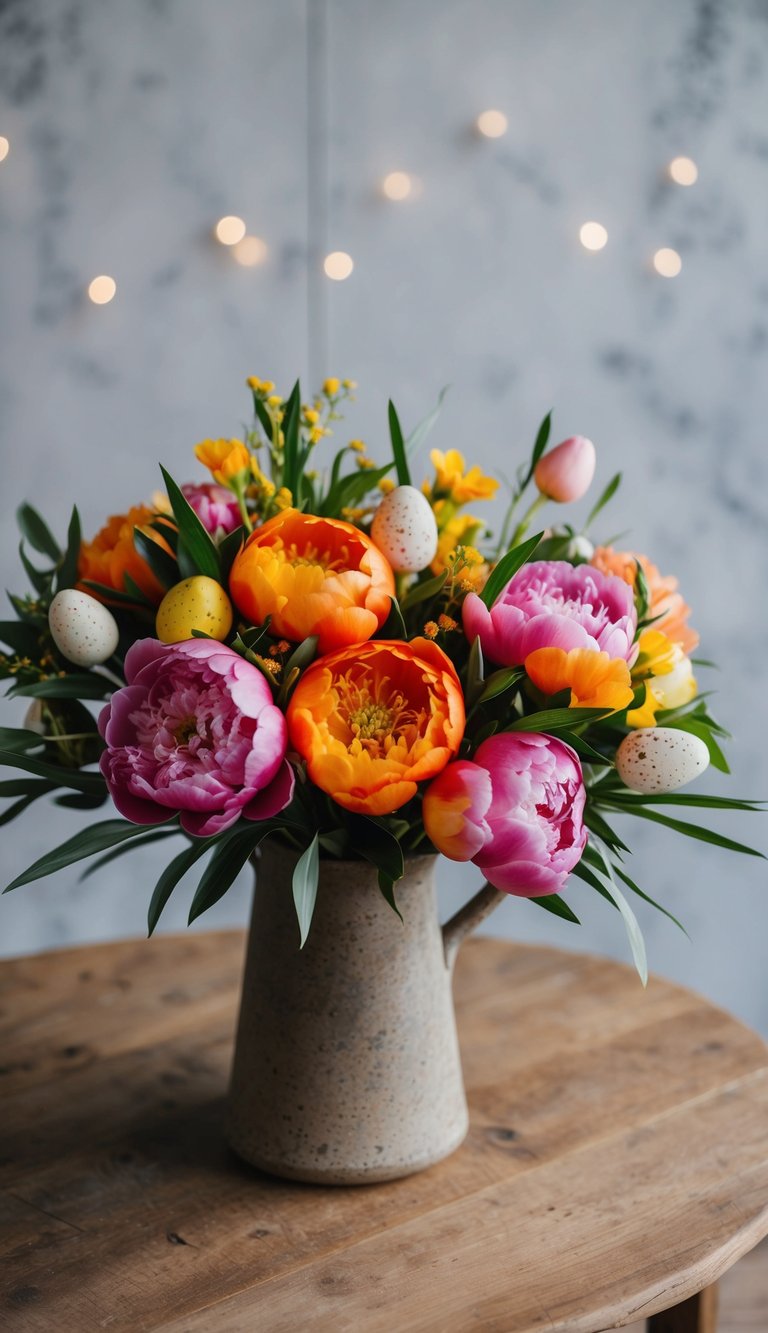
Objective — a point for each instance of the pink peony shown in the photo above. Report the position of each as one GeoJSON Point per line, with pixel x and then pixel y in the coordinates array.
{"type": "Point", "coordinates": [215, 506]}
{"type": "Point", "coordinates": [515, 811]}
{"type": "Point", "coordinates": [194, 730]}
{"type": "Point", "coordinates": [566, 472]}
{"type": "Point", "coordinates": [551, 604]}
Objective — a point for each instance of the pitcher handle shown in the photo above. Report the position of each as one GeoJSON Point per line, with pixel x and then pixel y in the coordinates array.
{"type": "Point", "coordinates": [463, 922]}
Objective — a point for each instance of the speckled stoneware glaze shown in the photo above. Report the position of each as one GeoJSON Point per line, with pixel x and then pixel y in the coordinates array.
{"type": "Point", "coordinates": [347, 1066]}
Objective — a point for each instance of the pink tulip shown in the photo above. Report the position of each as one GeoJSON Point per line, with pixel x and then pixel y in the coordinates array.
{"type": "Point", "coordinates": [194, 730]}
{"type": "Point", "coordinates": [566, 472]}
{"type": "Point", "coordinates": [551, 604]}
{"type": "Point", "coordinates": [515, 811]}
{"type": "Point", "coordinates": [215, 506]}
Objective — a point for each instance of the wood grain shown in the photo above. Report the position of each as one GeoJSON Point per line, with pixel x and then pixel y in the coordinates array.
{"type": "Point", "coordinates": [617, 1161]}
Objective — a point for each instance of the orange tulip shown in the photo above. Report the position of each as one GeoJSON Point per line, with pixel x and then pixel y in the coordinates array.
{"type": "Point", "coordinates": [111, 555]}
{"type": "Point", "coordinates": [665, 601]}
{"type": "Point", "coordinates": [374, 721]}
{"type": "Point", "coordinates": [313, 576]}
{"type": "Point", "coordinates": [225, 459]}
{"type": "Point", "coordinates": [594, 679]}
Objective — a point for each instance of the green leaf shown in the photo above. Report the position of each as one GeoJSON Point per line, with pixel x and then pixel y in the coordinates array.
{"type": "Point", "coordinates": [475, 673]}
{"type": "Point", "coordinates": [420, 432]}
{"type": "Point", "coordinates": [67, 573]}
{"type": "Point", "coordinates": [306, 875]}
{"type": "Point", "coordinates": [155, 835]}
{"type": "Point", "coordinates": [602, 828]}
{"type": "Point", "coordinates": [583, 748]}
{"type": "Point", "coordinates": [19, 740]}
{"type": "Point", "coordinates": [508, 567]}
{"type": "Point", "coordinates": [300, 658]}
{"type": "Point", "coordinates": [173, 872]}
{"type": "Point", "coordinates": [82, 800]}
{"type": "Point", "coordinates": [23, 638]}
{"type": "Point", "coordinates": [696, 831]}
{"type": "Point", "coordinates": [291, 423]}
{"type": "Point", "coordinates": [75, 778]}
{"type": "Point", "coordinates": [377, 844]}
{"type": "Point", "coordinates": [627, 799]}
{"type": "Point", "coordinates": [35, 530]}
{"type": "Point", "coordinates": [398, 447]}
{"type": "Point", "coordinates": [552, 902]}
{"type": "Point", "coordinates": [630, 883]}
{"type": "Point", "coordinates": [425, 592]}
{"type": "Point", "coordinates": [634, 933]}
{"type": "Point", "coordinates": [540, 444]}
{"type": "Point", "coordinates": [199, 544]}
{"type": "Point", "coordinates": [85, 843]}
{"type": "Point", "coordinates": [388, 893]}
{"type": "Point", "coordinates": [499, 682]}
{"type": "Point", "coordinates": [557, 719]}
{"type": "Point", "coordinates": [608, 494]}
{"type": "Point", "coordinates": [164, 567]}
{"type": "Point", "coordinates": [353, 488]}
{"type": "Point", "coordinates": [24, 787]}
{"type": "Point", "coordinates": [74, 686]}
{"type": "Point", "coordinates": [394, 625]}
{"type": "Point", "coordinates": [40, 580]}
{"type": "Point", "coordinates": [642, 593]}
{"type": "Point", "coordinates": [232, 852]}
{"type": "Point", "coordinates": [127, 599]}
{"type": "Point", "coordinates": [229, 547]}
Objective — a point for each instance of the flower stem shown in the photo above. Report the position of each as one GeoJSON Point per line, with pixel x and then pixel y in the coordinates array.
{"type": "Point", "coordinates": [525, 521]}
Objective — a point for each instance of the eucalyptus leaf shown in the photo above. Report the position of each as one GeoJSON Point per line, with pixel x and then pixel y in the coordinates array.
{"type": "Point", "coordinates": [145, 840]}
{"type": "Point", "coordinates": [71, 686]}
{"type": "Point", "coordinates": [22, 637]}
{"type": "Point", "coordinates": [76, 778]}
{"type": "Point", "coordinates": [19, 740]}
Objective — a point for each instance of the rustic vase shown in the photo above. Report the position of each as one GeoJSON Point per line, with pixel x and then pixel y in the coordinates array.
{"type": "Point", "coordinates": [347, 1066]}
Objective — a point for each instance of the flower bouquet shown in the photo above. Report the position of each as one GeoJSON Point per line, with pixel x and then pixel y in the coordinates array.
{"type": "Point", "coordinates": [358, 671]}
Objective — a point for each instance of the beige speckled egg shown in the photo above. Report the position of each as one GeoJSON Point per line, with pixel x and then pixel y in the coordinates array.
{"type": "Point", "coordinates": [405, 530]}
{"type": "Point", "coordinates": [658, 759]}
{"type": "Point", "coordinates": [196, 603]}
{"type": "Point", "coordinates": [84, 630]}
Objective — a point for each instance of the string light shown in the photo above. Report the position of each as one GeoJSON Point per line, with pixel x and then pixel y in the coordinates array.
{"type": "Point", "coordinates": [250, 251]}
{"type": "Point", "coordinates": [338, 265]}
{"type": "Point", "coordinates": [397, 185]}
{"type": "Point", "coordinates": [102, 289]}
{"type": "Point", "coordinates": [667, 262]}
{"type": "Point", "coordinates": [492, 124]}
{"type": "Point", "coordinates": [593, 235]}
{"type": "Point", "coordinates": [5, 148]}
{"type": "Point", "coordinates": [229, 230]}
{"type": "Point", "coordinates": [683, 171]}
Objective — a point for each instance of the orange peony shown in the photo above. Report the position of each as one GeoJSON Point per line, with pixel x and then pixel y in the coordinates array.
{"type": "Point", "coordinates": [665, 602]}
{"type": "Point", "coordinates": [313, 576]}
{"type": "Point", "coordinates": [594, 679]}
{"type": "Point", "coordinates": [111, 555]}
{"type": "Point", "coordinates": [374, 721]}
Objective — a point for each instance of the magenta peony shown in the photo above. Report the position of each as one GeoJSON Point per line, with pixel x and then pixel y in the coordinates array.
{"type": "Point", "coordinates": [551, 604]}
{"type": "Point", "coordinates": [515, 810]}
{"type": "Point", "coordinates": [215, 506]}
{"type": "Point", "coordinates": [195, 730]}
{"type": "Point", "coordinates": [566, 472]}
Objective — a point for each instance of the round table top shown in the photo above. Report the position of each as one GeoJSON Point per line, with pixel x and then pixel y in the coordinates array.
{"type": "Point", "coordinates": [617, 1160]}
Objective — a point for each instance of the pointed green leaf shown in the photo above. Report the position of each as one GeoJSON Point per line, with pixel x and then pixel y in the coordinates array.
{"type": "Point", "coordinates": [306, 875]}
{"type": "Point", "coordinates": [71, 686]}
{"type": "Point", "coordinates": [425, 592]}
{"type": "Point", "coordinates": [398, 447]}
{"type": "Point", "coordinates": [387, 889]}
{"type": "Point", "coordinates": [173, 872]}
{"type": "Point", "coordinates": [155, 835]}
{"type": "Point", "coordinates": [67, 574]}
{"type": "Point", "coordinates": [608, 494]}
{"type": "Point", "coordinates": [75, 778]}
{"type": "Point", "coordinates": [697, 832]}
{"type": "Point", "coordinates": [552, 902]}
{"type": "Point", "coordinates": [540, 444]}
{"type": "Point", "coordinates": [508, 567]}
{"type": "Point", "coordinates": [232, 852]}
{"type": "Point", "coordinates": [163, 565]}
{"type": "Point", "coordinates": [35, 530]}
{"type": "Point", "coordinates": [420, 432]}
{"type": "Point", "coordinates": [198, 542]}
{"type": "Point", "coordinates": [557, 719]}
{"type": "Point", "coordinates": [394, 625]}
{"type": "Point", "coordinates": [86, 842]}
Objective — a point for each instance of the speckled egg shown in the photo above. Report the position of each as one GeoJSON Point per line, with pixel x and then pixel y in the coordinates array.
{"type": "Point", "coordinates": [405, 531]}
{"type": "Point", "coordinates": [84, 630]}
{"type": "Point", "coordinates": [658, 759]}
{"type": "Point", "coordinates": [197, 603]}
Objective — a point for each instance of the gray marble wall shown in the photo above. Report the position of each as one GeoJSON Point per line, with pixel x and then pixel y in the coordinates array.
{"type": "Point", "coordinates": [133, 128]}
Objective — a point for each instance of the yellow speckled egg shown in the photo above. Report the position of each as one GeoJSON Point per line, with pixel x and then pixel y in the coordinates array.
{"type": "Point", "coordinates": [197, 603]}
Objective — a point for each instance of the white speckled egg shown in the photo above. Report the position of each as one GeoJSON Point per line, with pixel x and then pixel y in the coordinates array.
{"type": "Point", "coordinates": [405, 530]}
{"type": "Point", "coordinates": [84, 630]}
{"type": "Point", "coordinates": [658, 759]}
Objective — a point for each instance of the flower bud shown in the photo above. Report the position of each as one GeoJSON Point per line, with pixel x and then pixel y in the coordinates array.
{"type": "Point", "coordinates": [566, 472]}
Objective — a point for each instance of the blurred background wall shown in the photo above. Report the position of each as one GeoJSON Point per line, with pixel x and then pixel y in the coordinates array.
{"type": "Point", "coordinates": [133, 128]}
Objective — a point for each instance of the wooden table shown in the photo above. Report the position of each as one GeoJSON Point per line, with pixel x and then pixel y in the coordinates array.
{"type": "Point", "coordinates": [617, 1162]}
